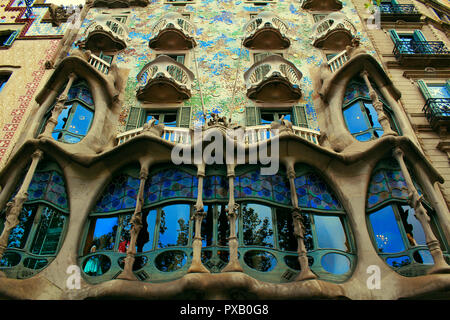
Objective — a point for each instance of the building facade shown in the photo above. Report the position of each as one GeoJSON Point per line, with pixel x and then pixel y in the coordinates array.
{"type": "Point", "coordinates": [118, 185]}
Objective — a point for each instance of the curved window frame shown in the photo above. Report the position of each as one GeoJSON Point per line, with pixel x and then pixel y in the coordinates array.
{"type": "Point", "coordinates": [34, 226]}
{"type": "Point", "coordinates": [367, 109]}
{"type": "Point", "coordinates": [72, 104]}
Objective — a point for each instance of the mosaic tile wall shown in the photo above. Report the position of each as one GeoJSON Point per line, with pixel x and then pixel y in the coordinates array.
{"type": "Point", "coordinates": [219, 31]}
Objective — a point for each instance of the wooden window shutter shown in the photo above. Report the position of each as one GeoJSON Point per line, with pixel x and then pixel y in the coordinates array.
{"type": "Point", "coordinates": [133, 118]}
{"type": "Point", "coordinates": [184, 117]}
{"type": "Point", "coordinates": [300, 118]}
{"type": "Point", "coordinates": [252, 116]}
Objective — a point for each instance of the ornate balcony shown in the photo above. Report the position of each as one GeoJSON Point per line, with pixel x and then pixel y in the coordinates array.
{"type": "Point", "coordinates": [393, 12]}
{"type": "Point", "coordinates": [105, 34]}
{"type": "Point", "coordinates": [164, 81]}
{"type": "Point", "coordinates": [437, 112]}
{"type": "Point", "coordinates": [173, 32]}
{"type": "Point", "coordinates": [266, 31]}
{"type": "Point", "coordinates": [422, 53]}
{"type": "Point", "coordinates": [322, 5]}
{"type": "Point", "coordinates": [335, 32]}
{"type": "Point", "coordinates": [273, 79]}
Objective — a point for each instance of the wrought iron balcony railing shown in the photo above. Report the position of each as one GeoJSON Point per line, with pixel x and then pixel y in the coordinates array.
{"type": "Point", "coordinates": [437, 109]}
{"type": "Point", "coordinates": [420, 47]}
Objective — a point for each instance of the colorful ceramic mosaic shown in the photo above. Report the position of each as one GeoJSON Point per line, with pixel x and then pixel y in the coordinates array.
{"type": "Point", "coordinates": [253, 185]}
{"type": "Point", "coordinates": [312, 192]}
{"type": "Point", "coordinates": [386, 184]}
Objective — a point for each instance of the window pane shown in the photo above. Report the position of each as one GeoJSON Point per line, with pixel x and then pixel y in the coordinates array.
{"type": "Point", "coordinates": [285, 228]}
{"type": "Point", "coordinates": [81, 121]}
{"type": "Point", "coordinates": [170, 120]}
{"type": "Point", "coordinates": [386, 231]}
{"type": "Point", "coordinates": [149, 235]}
{"type": "Point", "coordinates": [152, 116]}
{"type": "Point", "coordinates": [267, 118]}
{"type": "Point", "coordinates": [207, 227]}
{"type": "Point", "coordinates": [18, 236]}
{"type": "Point", "coordinates": [257, 225]}
{"type": "Point", "coordinates": [355, 119]}
{"type": "Point", "coordinates": [330, 233]}
{"type": "Point", "coordinates": [174, 226]}
{"type": "Point", "coordinates": [364, 137]}
{"type": "Point", "coordinates": [49, 232]}
{"type": "Point", "coordinates": [223, 228]}
{"type": "Point", "coordinates": [412, 226]}
{"type": "Point", "coordinates": [372, 115]}
{"type": "Point", "coordinates": [62, 118]}
{"type": "Point", "coordinates": [124, 240]}
{"type": "Point", "coordinates": [105, 233]}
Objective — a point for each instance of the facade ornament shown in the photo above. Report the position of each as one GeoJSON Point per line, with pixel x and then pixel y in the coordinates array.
{"type": "Point", "coordinates": [59, 14]}
{"type": "Point", "coordinates": [354, 48]}
{"type": "Point", "coordinates": [283, 126]}
{"type": "Point", "coordinates": [415, 200]}
{"type": "Point", "coordinates": [152, 128]}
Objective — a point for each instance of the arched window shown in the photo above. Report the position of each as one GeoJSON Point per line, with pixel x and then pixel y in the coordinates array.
{"type": "Point", "coordinates": [36, 240]}
{"type": "Point", "coordinates": [75, 120]}
{"type": "Point", "coordinates": [268, 246]}
{"type": "Point", "coordinates": [397, 234]}
{"type": "Point", "coordinates": [165, 237]}
{"type": "Point", "coordinates": [360, 115]}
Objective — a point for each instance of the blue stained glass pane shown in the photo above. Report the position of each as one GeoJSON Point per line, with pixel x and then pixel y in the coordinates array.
{"type": "Point", "coordinates": [355, 119]}
{"type": "Point", "coordinates": [86, 96]}
{"type": "Point", "coordinates": [386, 231]}
{"type": "Point", "coordinates": [364, 137]}
{"type": "Point", "coordinates": [174, 226]}
{"type": "Point", "coordinates": [62, 118]}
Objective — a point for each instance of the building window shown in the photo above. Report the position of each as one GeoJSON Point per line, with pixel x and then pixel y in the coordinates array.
{"type": "Point", "coordinates": [4, 77]}
{"type": "Point", "coordinates": [7, 37]}
{"type": "Point", "coordinates": [36, 240]}
{"type": "Point", "coordinates": [397, 234]}
{"type": "Point", "coordinates": [75, 121]}
{"type": "Point", "coordinates": [257, 116]}
{"type": "Point", "coordinates": [137, 117]}
{"type": "Point", "coordinates": [360, 115]}
{"type": "Point", "coordinates": [437, 100]}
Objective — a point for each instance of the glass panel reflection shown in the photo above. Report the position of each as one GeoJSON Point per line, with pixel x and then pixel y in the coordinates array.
{"type": "Point", "coordinates": [413, 228]}
{"type": "Point", "coordinates": [48, 232]}
{"type": "Point", "coordinates": [19, 235]}
{"type": "Point", "coordinates": [257, 225]}
{"type": "Point", "coordinates": [104, 234]}
{"type": "Point", "coordinates": [147, 237]}
{"type": "Point", "coordinates": [330, 233]}
{"type": "Point", "coordinates": [285, 228]}
{"type": "Point", "coordinates": [398, 262]}
{"type": "Point", "coordinates": [170, 261]}
{"type": "Point", "coordinates": [335, 263]}
{"type": "Point", "coordinates": [174, 225]}
{"type": "Point", "coordinates": [260, 260]}
{"type": "Point", "coordinates": [386, 231]}
{"type": "Point", "coordinates": [355, 119]}
{"type": "Point", "coordinates": [96, 265]}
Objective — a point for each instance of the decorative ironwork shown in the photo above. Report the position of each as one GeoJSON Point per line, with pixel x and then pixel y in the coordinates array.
{"type": "Point", "coordinates": [419, 47]}
{"type": "Point", "coordinates": [402, 9]}
{"type": "Point", "coordinates": [437, 109]}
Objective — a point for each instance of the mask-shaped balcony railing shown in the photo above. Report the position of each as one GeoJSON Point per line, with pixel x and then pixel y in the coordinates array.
{"type": "Point", "coordinates": [321, 5]}
{"type": "Point", "coordinates": [422, 53]}
{"type": "Point", "coordinates": [173, 32]}
{"type": "Point", "coordinates": [266, 31]}
{"type": "Point", "coordinates": [105, 34]}
{"type": "Point", "coordinates": [334, 32]}
{"type": "Point", "coordinates": [164, 80]}
{"type": "Point", "coordinates": [394, 12]}
{"type": "Point", "coordinates": [437, 111]}
{"type": "Point", "coordinates": [273, 79]}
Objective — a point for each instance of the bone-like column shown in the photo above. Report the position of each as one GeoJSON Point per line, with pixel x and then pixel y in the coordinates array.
{"type": "Point", "coordinates": [58, 108]}
{"type": "Point", "coordinates": [136, 226]}
{"type": "Point", "coordinates": [299, 228]}
{"type": "Point", "coordinates": [232, 215]}
{"type": "Point", "coordinates": [378, 105]}
{"type": "Point", "coordinates": [198, 215]}
{"type": "Point", "coordinates": [14, 207]}
{"type": "Point", "coordinates": [440, 266]}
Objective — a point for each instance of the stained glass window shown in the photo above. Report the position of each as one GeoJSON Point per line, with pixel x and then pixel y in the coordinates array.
{"type": "Point", "coordinates": [49, 186]}
{"type": "Point", "coordinates": [215, 188]}
{"type": "Point", "coordinates": [120, 194]}
{"type": "Point", "coordinates": [170, 184]}
{"type": "Point", "coordinates": [253, 185]}
{"type": "Point", "coordinates": [312, 192]}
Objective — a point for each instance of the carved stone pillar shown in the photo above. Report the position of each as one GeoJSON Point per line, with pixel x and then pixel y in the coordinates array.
{"type": "Point", "coordinates": [299, 229]}
{"type": "Point", "coordinates": [440, 266]}
{"type": "Point", "coordinates": [378, 105]}
{"type": "Point", "coordinates": [14, 207]}
{"type": "Point", "coordinates": [136, 226]}
{"type": "Point", "coordinates": [198, 215]}
{"type": "Point", "coordinates": [58, 108]}
{"type": "Point", "coordinates": [232, 214]}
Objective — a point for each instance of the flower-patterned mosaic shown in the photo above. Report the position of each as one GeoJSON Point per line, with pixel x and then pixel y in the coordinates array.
{"type": "Point", "coordinates": [49, 186]}
{"type": "Point", "coordinates": [219, 56]}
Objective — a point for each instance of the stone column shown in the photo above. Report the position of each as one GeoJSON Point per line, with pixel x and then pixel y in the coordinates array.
{"type": "Point", "coordinates": [232, 214]}
{"type": "Point", "coordinates": [14, 207]}
{"type": "Point", "coordinates": [58, 108]}
{"type": "Point", "coordinates": [378, 105]}
{"type": "Point", "coordinates": [440, 266]}
{"type": "Point", "coordinates": [197, 216]}
{"type": "Point", "coordinates": [299, 228]}
{"type": "Point", "coordinates": [136, 226]}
